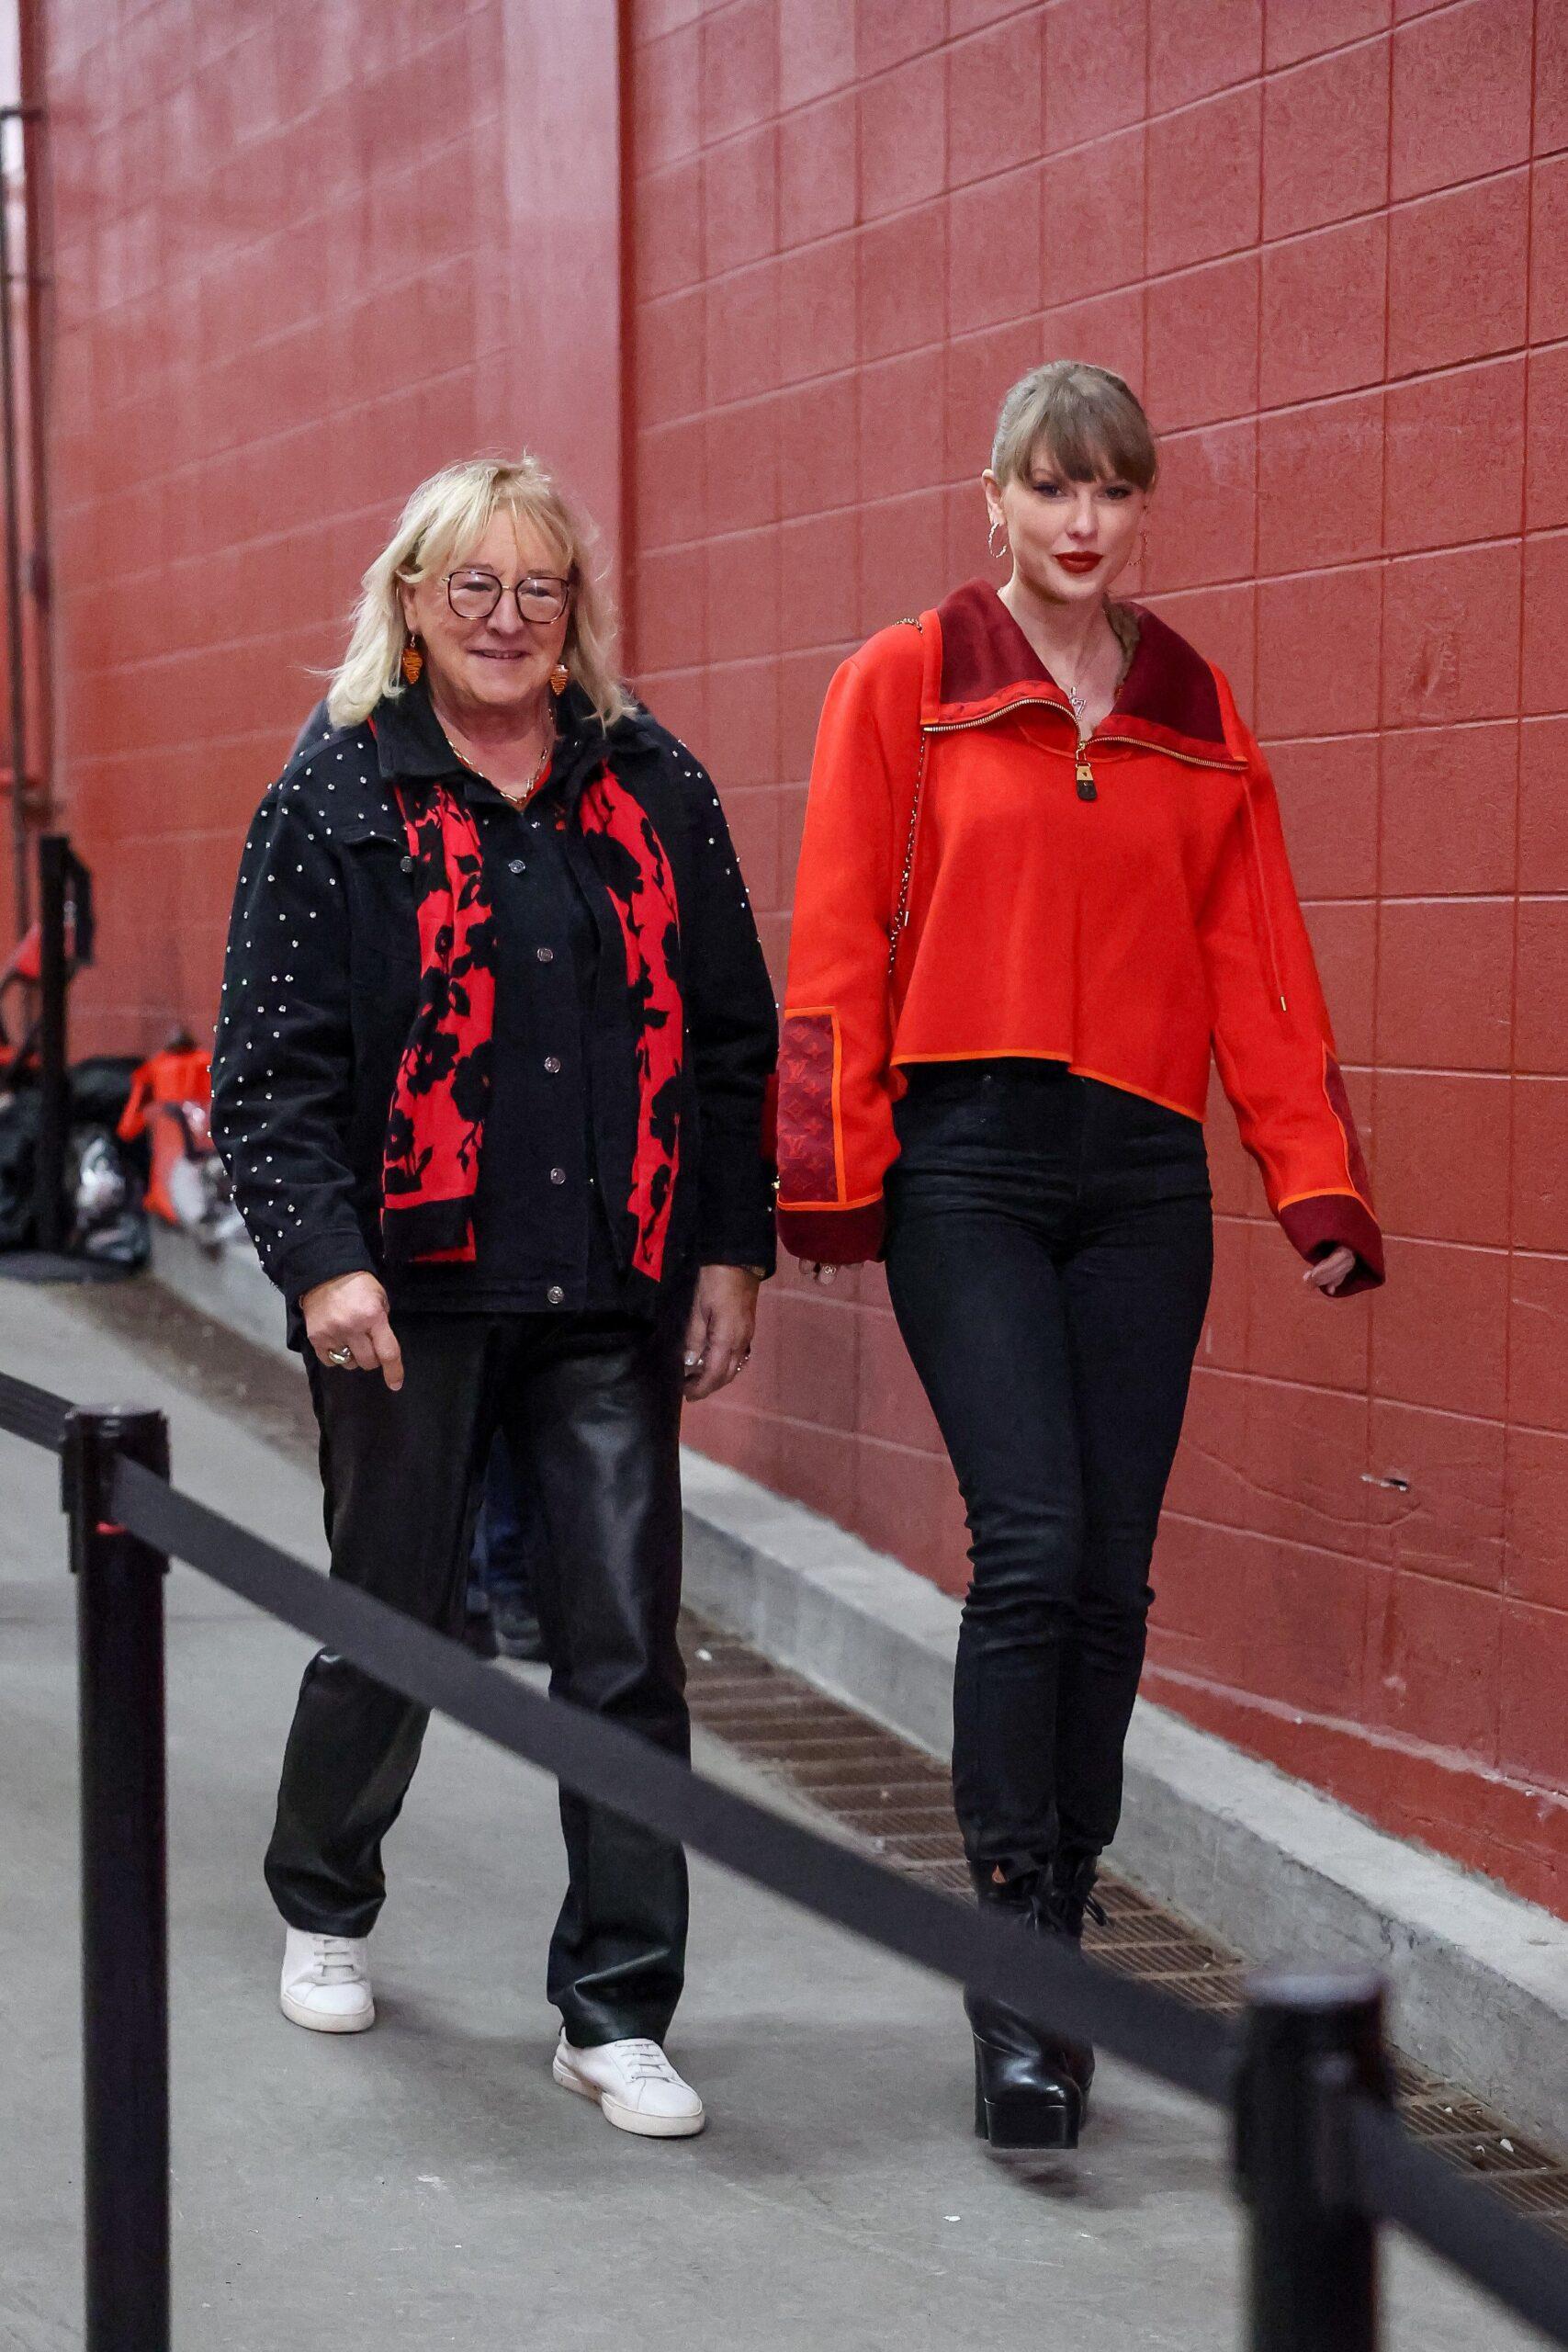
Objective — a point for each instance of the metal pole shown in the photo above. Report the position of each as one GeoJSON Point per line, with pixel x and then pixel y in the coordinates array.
{"type": "Point", "coordinates": [54, 863]}
{"type": "Point", "coordinates": [34, 376]}
{"type": "Point", "coordinates": [1312, 2255]}
{"type": "Point", "coordinates": [13, 649]}
{"type": "Point", "coordinates": [125, 1994]}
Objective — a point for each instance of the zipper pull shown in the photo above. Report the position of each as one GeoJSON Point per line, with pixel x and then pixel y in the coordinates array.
{"type": "Point", "coordinates": [1086, 775]}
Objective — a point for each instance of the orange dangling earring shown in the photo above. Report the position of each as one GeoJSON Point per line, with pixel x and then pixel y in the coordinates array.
{"type": "Point", "coordinates": [561, 678]}
{"type": "Point", "coordinates": [412, 662]}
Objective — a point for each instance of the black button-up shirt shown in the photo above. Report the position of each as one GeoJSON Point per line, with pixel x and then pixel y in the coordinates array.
{"type": "Point", "coordinates": [541, 1240]}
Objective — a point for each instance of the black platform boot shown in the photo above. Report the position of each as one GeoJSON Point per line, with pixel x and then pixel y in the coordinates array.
{"type": "Point", "coordinates": [1027, 2091]}
{"type": "Point", "coordinates": [1069, 1898]}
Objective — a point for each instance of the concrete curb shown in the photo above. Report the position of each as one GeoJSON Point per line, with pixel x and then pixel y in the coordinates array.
{"type": "Point", "coordinates": [1265, 1862]}
{"type": "Point", "coordinates": [1270, 1866]}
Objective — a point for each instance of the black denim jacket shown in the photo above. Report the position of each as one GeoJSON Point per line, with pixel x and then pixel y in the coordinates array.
{"type": "Point", "coordinates": [320, 985]}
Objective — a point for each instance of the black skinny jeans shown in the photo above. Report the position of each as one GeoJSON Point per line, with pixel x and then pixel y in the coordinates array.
{"type": "Point", "coordinates": [590, 1407]}
{"type": "Point", "coordinates": [1049, 1252]}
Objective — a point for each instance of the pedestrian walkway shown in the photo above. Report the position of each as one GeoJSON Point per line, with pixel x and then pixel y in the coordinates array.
{"type": "Point", "coordinates": [426, 2185]}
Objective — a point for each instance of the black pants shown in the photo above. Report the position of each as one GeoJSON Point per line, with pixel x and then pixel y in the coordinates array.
{"type": "Point", "coordinates": [1050, 1246]}
{"type": "Point", "coordinates": [591, 1408]}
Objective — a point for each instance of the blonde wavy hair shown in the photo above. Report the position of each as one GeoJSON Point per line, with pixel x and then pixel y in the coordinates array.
{"type": "Point", "coordinates": [450, 512]}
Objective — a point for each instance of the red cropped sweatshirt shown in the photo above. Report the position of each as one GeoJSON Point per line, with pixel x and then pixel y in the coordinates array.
{"type": "Point", "coordinates": [974, 885]}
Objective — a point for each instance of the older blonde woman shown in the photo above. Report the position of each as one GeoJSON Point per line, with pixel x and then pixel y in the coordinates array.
{"type": "Point", "coordinates": [494, 1039]}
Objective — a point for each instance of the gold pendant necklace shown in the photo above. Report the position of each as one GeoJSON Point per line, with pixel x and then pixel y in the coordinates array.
{"type": "Point", "coordinates": [521, 800]}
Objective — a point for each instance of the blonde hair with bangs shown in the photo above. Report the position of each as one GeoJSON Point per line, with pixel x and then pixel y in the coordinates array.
{"type": "Point", "coordinates": [449, 512]}
{"type": "Point", "coordinates": [1090, 421]}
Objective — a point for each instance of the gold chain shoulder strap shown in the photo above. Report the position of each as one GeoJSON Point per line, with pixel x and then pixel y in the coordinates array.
{"type": "Point", "coordinates": [901, 917]}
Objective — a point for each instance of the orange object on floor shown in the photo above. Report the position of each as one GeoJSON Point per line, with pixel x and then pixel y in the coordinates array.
{"type": "Point", "coordinates": [164, 1094]}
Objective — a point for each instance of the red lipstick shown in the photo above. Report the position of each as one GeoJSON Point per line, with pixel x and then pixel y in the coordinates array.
{"type": "Point", "coordinates": [1082, 564]}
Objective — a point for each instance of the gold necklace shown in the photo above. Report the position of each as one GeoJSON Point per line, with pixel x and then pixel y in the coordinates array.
{"type": "Point", "coordinates": [517, 799]}
{"type": "Point", "coordinates": [521, 800]}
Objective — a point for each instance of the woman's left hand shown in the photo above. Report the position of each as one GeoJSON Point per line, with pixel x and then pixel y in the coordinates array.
{"type": "Point", "coordinates": [718, 1337]}
{"type": "Point", "coordinates": [1327, 1274]}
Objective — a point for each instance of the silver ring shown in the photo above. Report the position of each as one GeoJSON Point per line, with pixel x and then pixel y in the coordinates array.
{"type": "Point", "coordinates": [340, 1355]}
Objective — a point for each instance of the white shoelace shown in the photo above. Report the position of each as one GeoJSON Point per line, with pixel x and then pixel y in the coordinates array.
{"type": "Point", "coordinates": [644, 2062]}
{"type": "Point", "coordinates": [334, 1961]}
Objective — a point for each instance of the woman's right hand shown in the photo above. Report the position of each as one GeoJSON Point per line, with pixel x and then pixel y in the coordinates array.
{"type": "Point", "coordinates": [819, 1272]}
{"type": "Point", "coordinates": [350, 1312]}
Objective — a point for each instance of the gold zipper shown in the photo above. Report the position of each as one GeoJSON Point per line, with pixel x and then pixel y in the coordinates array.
{"type": "Point", "coordinates": [1024, 702]}
{"type": "Point", "coordinates": [1163, 751]}
{"type": "Point", "coordinates": [1083, 773]}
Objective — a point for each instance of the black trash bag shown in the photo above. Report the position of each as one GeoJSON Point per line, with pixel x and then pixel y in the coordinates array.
{"type": "Point", "coordinates": [100, 1088]}
{"type": "Point", "coordinates": [19, 1165]}
{"type": "Point", "coordinates": [107, 1222]}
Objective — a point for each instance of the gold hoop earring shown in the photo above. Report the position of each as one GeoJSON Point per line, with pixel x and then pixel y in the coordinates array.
{"type": "Point", "coordinates": [991, 537]}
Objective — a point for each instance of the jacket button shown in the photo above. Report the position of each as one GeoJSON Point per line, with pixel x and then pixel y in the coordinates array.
{"type": "Point", "coordinates": [407, 865]}
{"type": "Point", "coordinates": [516, 865]}
{"type": "Point", "coordinates": [555, 1295]}
{"type": "Point", "coordinates": [552, 1063]}
{"type": "Point", "coordinates": [546, 955]}
{"type": "Point", "coordinates": [557, 1175]}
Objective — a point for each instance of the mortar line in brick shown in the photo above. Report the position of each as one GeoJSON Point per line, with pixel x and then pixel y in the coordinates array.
{"type": "Point", "coordinates": [1459, 1760]}
{"type": "Point", "coordinates": [1384, 209]}
{"type": "Point", "coordinates": [1518, 770]}
{"type": "Point", "coordinates": [777, 1418]}
{"type": "Point", "coordinates": [1286, 1382]}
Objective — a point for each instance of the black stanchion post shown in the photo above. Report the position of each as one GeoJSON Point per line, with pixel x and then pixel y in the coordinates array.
{"type": "Point", "coordinates": [124, 1993]}
{"type": "Point", "coordinates": [54, 862]}
{"type": "Point", "coordinates": [1312, 2259]}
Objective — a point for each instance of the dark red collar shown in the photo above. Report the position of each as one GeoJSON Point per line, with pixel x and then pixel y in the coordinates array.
{"type": "Point", "coordinates": [1168, 697]}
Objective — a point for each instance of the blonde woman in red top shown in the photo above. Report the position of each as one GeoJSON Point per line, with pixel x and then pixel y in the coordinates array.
{"type": "Point", "coordinates": [1043, 883]}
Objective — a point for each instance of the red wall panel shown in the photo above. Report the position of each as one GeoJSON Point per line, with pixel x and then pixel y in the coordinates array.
{"type": "Point", "coordinates": [1326, 238]}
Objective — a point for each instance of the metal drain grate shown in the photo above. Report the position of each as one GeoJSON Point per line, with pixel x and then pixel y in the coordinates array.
{"type": "Point", "coordinates": [895, 1801]}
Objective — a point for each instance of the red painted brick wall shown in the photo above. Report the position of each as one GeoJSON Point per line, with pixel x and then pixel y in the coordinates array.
{"type": "Point", "coordinates": [1329, 241]}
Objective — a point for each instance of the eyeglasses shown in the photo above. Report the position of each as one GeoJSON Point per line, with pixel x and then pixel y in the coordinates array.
{"type": "Point", "coordinates": [474, 596]}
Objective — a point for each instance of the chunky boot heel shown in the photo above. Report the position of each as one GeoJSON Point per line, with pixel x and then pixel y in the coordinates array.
{"type": "Point", "coordinates": [1031, 2086]}
{"type": "Point", "coordinates": [1019, 2110]}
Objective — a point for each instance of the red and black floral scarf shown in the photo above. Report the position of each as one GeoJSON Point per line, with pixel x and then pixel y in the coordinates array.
{"type": "Point", "coordinates": [629, 858]}
{"type": "Point", "coordinates": [435, 1130]}
{"type": "Point", "coordinates": [431, 1164]}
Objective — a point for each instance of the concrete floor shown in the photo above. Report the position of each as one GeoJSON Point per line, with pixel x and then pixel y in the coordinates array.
{"type": "Point", "coordinates": [426, 2185]}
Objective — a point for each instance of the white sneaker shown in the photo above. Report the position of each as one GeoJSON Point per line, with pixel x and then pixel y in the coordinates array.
{"type": "Point", "coordinates": [326, 1981]}
{"type": "Point", "coordinates": [637, 2087]}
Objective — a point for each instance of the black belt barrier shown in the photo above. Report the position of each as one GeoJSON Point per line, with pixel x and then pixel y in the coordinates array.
{"type": "Point", "coordinates": [1320, 2156]}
